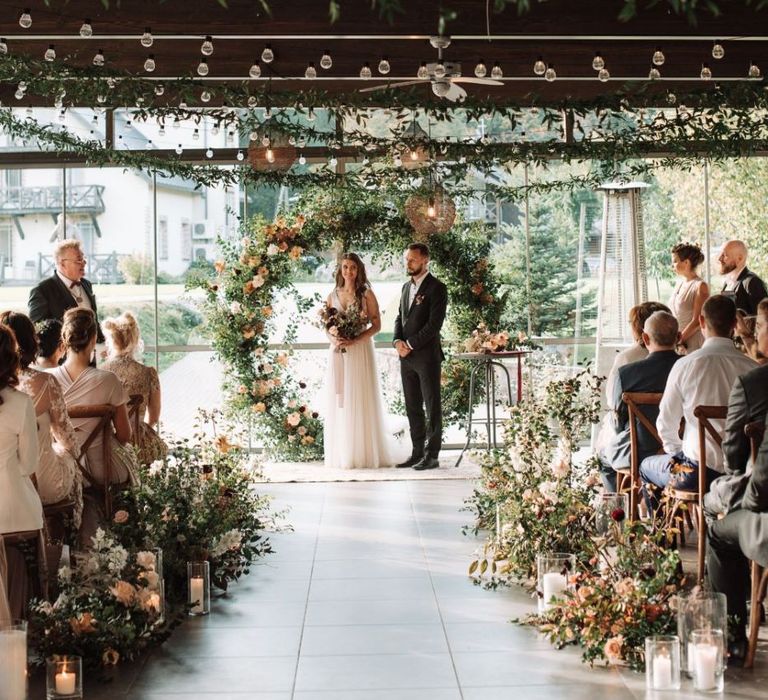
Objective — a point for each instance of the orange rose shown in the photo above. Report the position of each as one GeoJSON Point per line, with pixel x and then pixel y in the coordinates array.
{"type": "Point", "coordinates": [82, 624]}
{"type": "Point", "coordinates": [219, 266]}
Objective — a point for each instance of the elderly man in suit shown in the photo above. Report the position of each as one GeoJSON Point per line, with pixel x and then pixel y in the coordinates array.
{"type": "Point", "coordinates": [66, 288]}
{"type": "Point", "coordinates": [420, 317]}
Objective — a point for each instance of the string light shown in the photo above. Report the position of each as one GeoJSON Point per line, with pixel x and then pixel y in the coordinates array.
{"type": "Point", "coordinates": [603, 76]}
{"type": "Point", "coordinates": [414, 154]}
{"type": "Point", "coordinates": [50, 53]}
{"type": "Point", "coordinates": [146, 38]}
{"type": "Point", "coordinates": [365, 71]}
{"type": "Point", "coordinates": [161, 131]}
{"type": "Point", "coordinates": [754, 71]}
{"type": "Point", "coordinates": [202, 67]}
{"type": "Point", "coordinates": [332, 161]}
{"type": "Point", "coordinates": [3, 46]}
{"type": "Point", "coordinates": [658, 57]}
{"type": "Point", "coordinates": [196, 134]}
{"type": "Point", "coordinates": [209, 153]}
{"type": "Point", "coordinates": [496, 72]}
{"type": "Point", "coordinates": [86, 30]}
{"type": "Point", "coordinates": [240, 156]}
{"type": "Point", "coordinates": [266, 141]}
{"type": "Point", "coordinates": [598, 62]}
{"type": "Point", "coordinates": [205, 96]}
{"type": "Point", "coordinates": [25, 19]}
{"type": "Point", "coordinates": [215, 129]}
{"type": "Point", "coordinates": [149, 64]}
{"type": "Point", "coordinates": [159, 89]}
{"type": "Point", "coordinates": [311, 72]}
{"type": "Point", "coordinates": [422, 73]}
{"type": "Point", "coordinates": [384, 66]}
{"type": "Point", "coordinates": [654, 73]}
{"type": "Point", "coordinates": [179, 150]}
{"type": "Point", "coordinates": [550, 75]}
{"type": "Point", "coordinates": [431, 213]}
{"type": "Point", "coordinates": [480, 70]}
{"type": "Point", "coordinates": [269, 154]}
{"type": "Point", "coordinates": [255, 70]}
{"type": "Point", "coordinates": [717, 50]}
{"type": "Point", "coordinates": [706, 72]}
{"type": "Point", "coordinates": [302, 159]}
{"type": "Point", "coordinates": [440, 70]}
{"type": "Point", "coordinates": [98, 59]}
{"type": "Point", "coordinates": [397, 160]}
{"type": "Point", "coordinates": [539, 67]}
{"type": "Point", "coordinates": [326, 61]}
{"type": "Point", "coordinates": [267, 55]}
{"type": "Point", "coordinates": [207, 46]}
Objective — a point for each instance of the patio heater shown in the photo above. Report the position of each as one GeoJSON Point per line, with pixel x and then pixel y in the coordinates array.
{"type": "Point", "coordinates": [622, 276]}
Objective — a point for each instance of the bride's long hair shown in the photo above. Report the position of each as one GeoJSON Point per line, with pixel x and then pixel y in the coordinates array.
{"type": "Point", "coordinates": [361, 281]}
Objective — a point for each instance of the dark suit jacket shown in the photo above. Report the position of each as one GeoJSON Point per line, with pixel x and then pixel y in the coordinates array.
{"type": "Point", "coordinates": [420, 324]}
{"type": "Point", "coordinates": [649, 375]}
{"type": "Point", "coordinates": [750, 291]}
{"type": "Point", "coordinates": [51, 298]}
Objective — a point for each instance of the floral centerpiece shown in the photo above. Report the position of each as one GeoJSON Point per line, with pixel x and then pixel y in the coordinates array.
{"type": "Point", "coordinates": [109, 606]}
{"type": "Point", "coordinates": [485, 341]}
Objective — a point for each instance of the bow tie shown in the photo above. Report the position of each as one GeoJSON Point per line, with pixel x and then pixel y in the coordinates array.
{"type": "Point", "coordinates": [74, 284]}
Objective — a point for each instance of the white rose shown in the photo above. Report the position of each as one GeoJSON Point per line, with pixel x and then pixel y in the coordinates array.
{"type": "Point", "coordinates": [294, 418]}
{"type": "Point", "coordinates": [258, 281]}
{"type": "Point", "coordinates": [146, 560]}
{"type": "Point", "coordinates": [235, 308]}
{"type": "Point", "coordinates": [272, 249]}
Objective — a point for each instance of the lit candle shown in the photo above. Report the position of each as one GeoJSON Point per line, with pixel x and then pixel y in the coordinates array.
{"type": "Point", "coordinates": [705, 666]}
{"type": "Point", "coordinates": [662, 673]}
{"type": "Point", "coordinates": [196, 594]}
{"type": "Point", "coordinates": [13, 664]}
{"type": "Point", "coordinates": [553, 584]}
{"type": "Point", "coordinates": [65, 682]}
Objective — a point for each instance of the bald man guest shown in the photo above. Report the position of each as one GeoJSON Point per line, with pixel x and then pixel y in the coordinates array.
{"type": "Point", "coordinates": [741, 284]}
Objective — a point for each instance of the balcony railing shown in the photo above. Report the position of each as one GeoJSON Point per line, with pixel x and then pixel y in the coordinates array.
{"type": "Point", "coordinates": [83, 199]}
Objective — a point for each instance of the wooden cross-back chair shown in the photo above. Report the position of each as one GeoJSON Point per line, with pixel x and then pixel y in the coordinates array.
{"type": "Point", "coordinates": [633, 400]}
{"type": "Point", "coordinates": [755, 432]}
{"type": "Point", "coordinates": [105, 413]}
{"type": "Point", "coordinates": [134, 417]}
{"type": "Point", "coordinates": [37, 539]}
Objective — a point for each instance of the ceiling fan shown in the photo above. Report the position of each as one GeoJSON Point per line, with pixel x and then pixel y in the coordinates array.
{"type": "Point", "coordinates": [443, 76]}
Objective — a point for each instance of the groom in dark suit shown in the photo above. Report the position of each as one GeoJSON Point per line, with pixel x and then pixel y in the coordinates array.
{"type": "Point", "coordinates": [66, 288]}
{"type": "Point", "coordinates": [417, 340]}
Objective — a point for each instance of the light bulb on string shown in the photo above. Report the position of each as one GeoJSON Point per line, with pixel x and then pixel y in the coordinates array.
{"type": "Point", "coordinates": [3, 46]}
{"type": "Point", "coordinates": [19, 94]}
{"type": "Point", "coordinates": [253, 136]}
{"type": "Point", "coordinates": [332, 161]}
{"type": "Point", "coordinates": [384, 66]}
{"type": "Point", "coordinates": [414, 154]}
{"type": "Point", "coordinates": [539, 67]}
{"type": "Point", "coordinates": [480, 69]}
{"type": "Point", "coordinates": [196, 134]}
{"type": "Point", "coordinates": [598, 62]}
{"type": "Point", "coordinates": [98, 59]}
{"type": "Point", "coordinates": [717, 50]}
{"type": "Point", "coordinates": [365, 71]}
{"type": "Point", "coordinates": [128, 124]}
{"type": "Point", "coordinates": [202, 67]}
{"type": "Point", "coordinates": [603, 76]}
{"type": "Point", "coordinates": [86, 30]}
{"type": "Point", "coordinates": [654, 73]}
{"type": "Point", "coordinates": [671, 98]}
{"type": "Point", "coordinates": [146, 38]}
{"type": "Point", "coordinates": [302, 159]}
{"type": "Point", "coordinates": [255, 70]}
{"type": "Point", "coordinates": [206, 47]}
{"type": "Point", "coordinates": [397, 160]}
{"type": "Point", "coordinates": [658, 57]}
{"type": "Point", "coordinates": [269, 154]}
{"type": "Point", "coordinates": [25, 19]}
{"type": "Point", "coordinates": [95, 119]}
{"type": "Point", "coordinates": [179, 150]}
{"type": "Point", "coordinates": [50, 53]}
{"type": "Point", "coordinates": [496, 72]}
{"type": "Point", "coordinates": [101, 99]}
{"type": "Point", "coordinates": [311, 72]}
{"type": "Point", "coordinates": [209, 153]}
{"type": "Point", "coordinates": [30, 111]}
{"type": "Point", "coordinates": [229, 137]}
{"type": "Point", "coordinates": [149, 64]}
{"type": "Point", "coordinates": [326, 61]}
{"type": "Point", "coordinates": [267, 55]}
{"type": "Point", "coordinates": [265, 140]}
{"type": "Point", "coordinates": [62, 115]}
{"type": "Point", "coordinates": [301, 142]}
{"type": "Point", "coordinates": [161, 131]}
{"type": "Point", "coordinates": [431, 213]}
{"type": "Point", "coordinates": [252, 101]}
{"type": "Point", "coordinates": [422, 73]}
{"type": "Point", "coordinates": [176, 123]}
{"type": "Point", "coordinates": [706, 72]}
{"type": "Point", "coordinates": [240, 156]}
{"type": "Point", "coordinates": [268, 112]}
{"type": "Point", "coordinates": [550, 75]}
{"type": "Point", "coordinates": [205, 96]}
{"type": "Point", "coordinates": [159, 89]}
{"type": "Point", "coordinates": [754, 71]}
{"type": "Point", "coordinates": [215, 130]}
{"type": "Point", "coordinates": [440, 69]}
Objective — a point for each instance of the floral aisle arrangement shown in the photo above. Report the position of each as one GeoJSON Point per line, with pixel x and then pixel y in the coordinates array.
{"type": "Point", "coordinates": [532, 497]}
{"type": "Point", "coordinates": [240, 317]}
{"type": "Point", "coordinates": [483, 340]}
{"type": "Point", "coordinates": [199, 503]}
{"type": "Point", "coordinates": [624, 594]}
{"type": "Point", "coordinates": [109, 606]}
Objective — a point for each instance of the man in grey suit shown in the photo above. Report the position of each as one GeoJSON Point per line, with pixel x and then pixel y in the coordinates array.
{"type": "Point", "coordinates": [743, 533]}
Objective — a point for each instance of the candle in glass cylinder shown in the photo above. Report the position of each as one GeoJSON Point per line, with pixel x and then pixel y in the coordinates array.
{"type": "Point", "coordinates": [662, 673]}
{"type": "Point", "coordinates": [196, 594]}
{"type": "Point", "coordinates": [704, 666]}
{"type": "Point", "coordinates": [553, 584]}
{"type": "Point", "coordinates": [65, 682]}
{"type": "Point", "coordinates": [13, 664]}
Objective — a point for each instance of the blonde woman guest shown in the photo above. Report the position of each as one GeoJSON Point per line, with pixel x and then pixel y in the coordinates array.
{"type": "Point", "coordinates": [57, 474]}
{"type": "Point", "coordinates": [690, 294]}
{"type": "Point", "coordinates": [50, 348]}
{"type": "Point", "coordinates": [123, 341]}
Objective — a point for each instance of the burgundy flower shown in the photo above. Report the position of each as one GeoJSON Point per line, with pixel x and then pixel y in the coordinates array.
{"type": "Point", "coordinates": [618, 514]}
{"type": "Point", "coordinates": [315, 414]}
{"type": "Point", "coordinates": [302, 385]}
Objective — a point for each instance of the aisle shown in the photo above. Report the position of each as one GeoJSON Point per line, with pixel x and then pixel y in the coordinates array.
{"type": "Point", "coordinates": [368, 599]}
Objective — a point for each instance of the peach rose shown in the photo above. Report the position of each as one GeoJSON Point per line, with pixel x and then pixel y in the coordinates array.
{"type": "Point", "coordinates": [124, 592]}
{"type": "Point", "coordinates": [295, 252]}
{"type": "Point", "coordinates": [82, 624]}
{"type": "Point", "coordinates": [266, 311]}
{"type": "Point", "coordinates": [294, 419]}
{"type": "Point", "coordinates": [120, 517]}
{"type": "Point", "coordinates": [612, 649]}
{"type": "Point", "coordinates": [219, 266]}
{"type": "Point", "coordinates": [259, 407]}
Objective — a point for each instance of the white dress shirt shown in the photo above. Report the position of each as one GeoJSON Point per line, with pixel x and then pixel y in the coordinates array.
{"type": "Point", "coordinates": [703, 378]}
{"type": "Point", "coordinates": [77, 292]}
{"type": "Point", "coordinates": [732, 278]}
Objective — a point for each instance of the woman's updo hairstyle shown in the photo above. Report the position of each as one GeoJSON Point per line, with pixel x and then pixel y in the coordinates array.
{"type": "Point", "coordinates": [24, 330]}
{"type": "Point", "coordinates": [79, 329]}
{"type": "Point", "coordinates": [689, 251]}
{"type": "Point", "coordinates": [48, 337]}
{"type": "Point", "coordinates": [122, 333]}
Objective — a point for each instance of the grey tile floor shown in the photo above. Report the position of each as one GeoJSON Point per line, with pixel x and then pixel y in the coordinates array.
{"type": "Point", "coordinates": [368, 599]}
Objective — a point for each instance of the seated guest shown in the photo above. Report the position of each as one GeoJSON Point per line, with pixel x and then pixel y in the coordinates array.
{"type": "Point", "coordinates": [50, 349]}
{"type": "Point", "coordinates": [704, 377]}
{"type": "Point", "coordinates": [84, 385]}
{"type": "Point", "coordinates": [123, 339]}
{"type": "Point", "coordinates": [747, 403]}
{"type": "Point", "coordinates": [20, 506]}
{"type": "Point", "coordinates": [660, 336]}
{"type": "Point", "coordinates": [690, 294]}
{"type": "Point", "coordinates": [735, 539]}
{"type": "Point", "coordinates": [57, 474]}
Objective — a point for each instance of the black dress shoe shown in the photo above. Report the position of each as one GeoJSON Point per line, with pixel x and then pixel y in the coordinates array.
{"type": "Point", "coordinates": [737, 652]}
{"type": "Point", "coordinates": [427, 463]}
{"type": "Point", "coordinates": [409, 462]}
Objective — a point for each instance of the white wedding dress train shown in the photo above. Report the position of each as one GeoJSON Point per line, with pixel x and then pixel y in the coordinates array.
{"type": "Point", "coordinates": [355, 434]}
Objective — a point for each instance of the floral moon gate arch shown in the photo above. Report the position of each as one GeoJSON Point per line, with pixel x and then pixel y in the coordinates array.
{"type": "Point", "coordinates": [261, 264]}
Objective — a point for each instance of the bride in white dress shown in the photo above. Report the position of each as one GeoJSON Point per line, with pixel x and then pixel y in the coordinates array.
{"type": "Point", "coordinates": [354, 434]}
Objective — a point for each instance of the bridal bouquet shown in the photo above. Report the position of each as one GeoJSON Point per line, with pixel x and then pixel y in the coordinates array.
{"type": "Point", "coordinates": [346, 325]}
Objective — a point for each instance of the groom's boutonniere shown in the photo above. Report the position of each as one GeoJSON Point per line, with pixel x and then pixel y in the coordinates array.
{"type": "Point", "coordinates": [418, 299]}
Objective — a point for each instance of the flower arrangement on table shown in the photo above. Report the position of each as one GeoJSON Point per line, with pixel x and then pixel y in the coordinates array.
{"type": "Point", "coordinates": [109, 606]}
{"type": "Point", "coordinates": [484, 341]}
{"type": "Point", "coordinates": [624, 594]}
{"type": "Point", "coordinates": [345, 324]}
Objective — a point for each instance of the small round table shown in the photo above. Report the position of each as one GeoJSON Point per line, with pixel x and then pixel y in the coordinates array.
{"type": "Point", "coordinates": [486, 362]}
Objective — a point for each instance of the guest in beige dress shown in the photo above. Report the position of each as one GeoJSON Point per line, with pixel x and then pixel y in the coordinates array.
{"type": "Point", "coordinates": [50, 348]}
{"type": "Point", "coordinates": [123, 342]}
{"type": "Point", "coordinates": [57, 475]}
{"type": "Point", "coordinates": [84, 385]}
{"type": "Point", "coordinates": [689, 295]}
